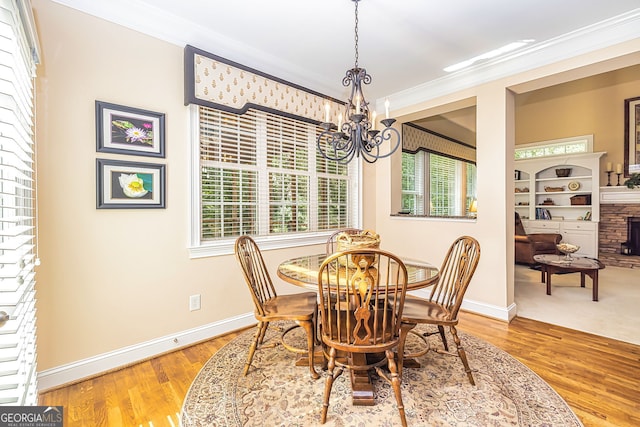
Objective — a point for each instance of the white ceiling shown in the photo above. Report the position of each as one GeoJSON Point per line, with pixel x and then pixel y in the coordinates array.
{"type": "Point", "coordinates": [402, 43]}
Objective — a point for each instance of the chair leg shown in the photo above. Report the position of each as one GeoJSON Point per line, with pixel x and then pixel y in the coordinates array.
{"type": "Point", "coordinates": [309, 328]}
{"type": "Point", "coordinates": [262, 327]}
{"type": "Point", "coordinates": [316, 322]}
{"type": "Point", "coordinates": [328, 385]}
{"type": "Point", "coordinates": [404, 332]}
{"type": "Point", "coordinates": [263, 331]}
{"type": "Point", "coordinates": [443, 337]}
{"type": "Point", "coordinates": [462, 354]}
{"type": "Point", "coordinates": [396, 383]}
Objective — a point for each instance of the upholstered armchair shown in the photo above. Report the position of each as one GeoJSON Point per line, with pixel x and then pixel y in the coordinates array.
{"type": "Point", "coordinates": [528, 245]}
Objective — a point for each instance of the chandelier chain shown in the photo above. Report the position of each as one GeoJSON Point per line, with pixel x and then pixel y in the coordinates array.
{"type": "Point", "coordinates": [356, 34]}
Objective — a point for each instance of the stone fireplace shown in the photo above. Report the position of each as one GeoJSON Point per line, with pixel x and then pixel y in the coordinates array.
{"type": "Point", "coordinates": [619, 223]}
{"type": "Point", "coordinates": [633, 234]}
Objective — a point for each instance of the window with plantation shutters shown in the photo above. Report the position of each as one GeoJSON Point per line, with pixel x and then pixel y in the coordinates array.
{"type": "Point", "coordinates": [444, 192]}
{"type": "Point", "coordinates": [18, 55]}
{"type": "Point", "coordinates": [413, 172]}
{"type": "Point", "coordinates": [436, 185]}
{"type": "Point", "coordinates": [261, 174]}
{"type": "Point", "coordinates": [334, 194]}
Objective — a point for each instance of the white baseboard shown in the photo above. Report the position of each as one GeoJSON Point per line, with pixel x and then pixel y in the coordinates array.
{"type": "Point", "coordinates": [494, 311]}
{"type": "Point", "coordinates": [72, 372]}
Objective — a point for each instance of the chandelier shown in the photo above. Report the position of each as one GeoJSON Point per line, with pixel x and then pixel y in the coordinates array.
{"type": "Point", "coordinates": [358, 135]}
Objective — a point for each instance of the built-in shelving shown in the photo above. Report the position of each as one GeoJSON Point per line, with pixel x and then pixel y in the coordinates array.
{"type": "Point", "coordinates": [544, 200]}
{"type": "Point", "coordinates": [540, 188]}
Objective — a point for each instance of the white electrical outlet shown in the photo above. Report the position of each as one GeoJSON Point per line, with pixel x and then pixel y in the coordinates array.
{"type": "Point", "coordinates": [194, 302]}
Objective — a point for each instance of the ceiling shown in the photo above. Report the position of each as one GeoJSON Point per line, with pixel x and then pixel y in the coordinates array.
{"type": "Point", "coordinates": [402, 43]}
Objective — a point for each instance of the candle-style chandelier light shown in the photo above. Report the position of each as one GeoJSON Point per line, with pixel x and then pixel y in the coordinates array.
{"type": "Point", "coordinates": [358, 134]}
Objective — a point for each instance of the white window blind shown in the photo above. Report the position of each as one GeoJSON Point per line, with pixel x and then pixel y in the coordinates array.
{"type": "Point", "coordinates": [18, 54]}
{"type": "Point", "coordinates": [444, 191]}
{"type": "Point", "coordinates": [413, 173]}
{"type": "Point", "coordinates": [447, 185]}
{"type": "Point", "coordinates": [261, 174]}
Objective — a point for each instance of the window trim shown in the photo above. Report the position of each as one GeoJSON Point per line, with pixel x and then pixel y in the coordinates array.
{"type": "Point", "coordinates": [198, 249]}
{"type": "Point", "coordinates": [461, 191]}
{"type": "Point", "coordinates": [586, 140]}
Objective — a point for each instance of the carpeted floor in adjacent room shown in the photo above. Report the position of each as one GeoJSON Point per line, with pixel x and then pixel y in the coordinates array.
{"type": "Point", "coordinates": [615, 315]}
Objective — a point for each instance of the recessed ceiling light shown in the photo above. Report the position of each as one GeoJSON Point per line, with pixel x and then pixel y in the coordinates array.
{"type": "Point", "coordinates": [488, 55]}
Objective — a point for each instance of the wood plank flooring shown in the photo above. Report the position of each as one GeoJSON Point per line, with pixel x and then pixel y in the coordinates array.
{"type": "Point", "coordinates": [598, 377]}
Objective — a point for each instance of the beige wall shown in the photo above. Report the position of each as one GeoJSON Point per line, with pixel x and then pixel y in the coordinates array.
{"type": "Point", "coordinates": [116, 278]}
{"type": "Point", "coordinates": [593, 105]}
{"type": "Point", "coordinates": [491, 290]}
{"type": "Point", "coordinates": [430, 238]}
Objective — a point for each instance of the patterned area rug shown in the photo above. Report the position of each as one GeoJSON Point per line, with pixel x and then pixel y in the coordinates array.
{"type": "Point", "coordinates": [277, 393]}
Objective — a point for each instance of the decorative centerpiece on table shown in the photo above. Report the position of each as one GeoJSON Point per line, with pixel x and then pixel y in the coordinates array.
{"type": "Point", "coordinates": [567, 249]}
{"type": "Point", "coordinates": [366, 239]}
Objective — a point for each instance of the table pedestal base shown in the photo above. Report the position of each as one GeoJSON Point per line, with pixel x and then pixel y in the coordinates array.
{"type": "Point", "coordinates": [362, 391]}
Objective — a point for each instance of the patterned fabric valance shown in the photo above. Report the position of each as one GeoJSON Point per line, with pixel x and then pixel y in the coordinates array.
{"type": "Point", "coordinates": [415, 138]}
{"type": "Point", "coordinates": [218, 83]}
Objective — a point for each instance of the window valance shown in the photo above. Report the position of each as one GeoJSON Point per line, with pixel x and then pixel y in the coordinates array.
{"type": "Point", "coordinates": [415, 138]}
{"type": "Point", "coordinates": [218, 83]}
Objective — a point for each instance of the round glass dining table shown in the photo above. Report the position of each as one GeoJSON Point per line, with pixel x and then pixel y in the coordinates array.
{"type": "Point", "coordinates": [303, 271]}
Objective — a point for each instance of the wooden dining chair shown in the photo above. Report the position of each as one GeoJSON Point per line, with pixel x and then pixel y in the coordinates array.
{"type": "Point", "coordinates": [442, 306]}
{"type": "Point", "coordinates": [331, 245]}
{"type": "Point", "coordinates": [301, 308]}
{"type": "Point", "coordinates": [361, 294]}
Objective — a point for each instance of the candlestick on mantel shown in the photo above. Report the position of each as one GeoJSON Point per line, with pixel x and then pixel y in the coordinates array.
{"type": "Point", "coordinates": [609, 178]}
{"type": "Point", "coordinates": [619, 173]}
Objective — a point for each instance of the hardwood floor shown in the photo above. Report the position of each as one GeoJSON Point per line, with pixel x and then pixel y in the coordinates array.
{"type": "Point", "coordinates": [598, 377]}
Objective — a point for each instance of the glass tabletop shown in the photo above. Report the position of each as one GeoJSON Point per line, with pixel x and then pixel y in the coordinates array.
{"type": "Point", "coordinates": [303, 271]}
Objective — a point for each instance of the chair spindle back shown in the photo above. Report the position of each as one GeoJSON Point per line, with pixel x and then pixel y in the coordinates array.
{"type": "Point", "coordinates": [455, 274]}
{"type": "Point", "coordinates": [361, 307]}
{"type": "Point", "coordinates": [255, 272]}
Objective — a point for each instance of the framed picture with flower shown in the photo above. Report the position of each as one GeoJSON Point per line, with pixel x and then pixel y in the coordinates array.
{"type": "Point", "coordinates": [128, 130]}
{"type": "Point", "coordinates": [129, 185]}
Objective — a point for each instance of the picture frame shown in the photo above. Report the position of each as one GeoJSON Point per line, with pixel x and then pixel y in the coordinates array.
{"type": "Point", "coordinates": [127, 130]}
{"type": "Point", "coordinates": [129, 185]}
{"type": "Point", "coordinates": [631, 136]}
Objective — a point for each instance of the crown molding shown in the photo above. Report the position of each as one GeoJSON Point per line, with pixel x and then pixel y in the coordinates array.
{"type": "Point", "coordinates": [620, 29]}
{"type": "Point", "coordinates": [174, 30]}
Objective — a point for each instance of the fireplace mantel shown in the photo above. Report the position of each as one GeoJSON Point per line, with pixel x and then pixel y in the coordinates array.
{"type": "Point", "coordinates": [619, 195]}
